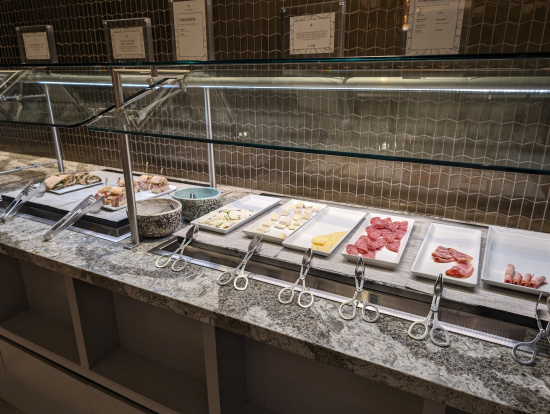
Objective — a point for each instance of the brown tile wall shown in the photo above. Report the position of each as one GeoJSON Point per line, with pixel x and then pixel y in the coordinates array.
{"type": "Point", "coordinates": [247, 29]}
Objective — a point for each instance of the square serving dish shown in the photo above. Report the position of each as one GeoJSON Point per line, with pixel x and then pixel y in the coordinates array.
{"type": "Point", "coordinates": [528, 251]}
{"type": "Point", "coordinates": [464, 240]}
{"type": "Point", "coordinates": [328, 221]}
{"type": "Point", "coordinates": [256, 203]}
{"type": "Point", "coordinates": [384, 257]}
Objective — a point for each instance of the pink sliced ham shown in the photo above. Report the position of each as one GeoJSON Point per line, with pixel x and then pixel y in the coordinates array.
{"type": "Point", "coordinates": [460, 271]}
{"type": "Point", "coordinates": [526, 279]}
{"type": "Point", "coordinates": [509, 273]}
{"type": "Point", "coordinates": [537, 281]}
{"type": "Point", "coordinates": [517, 279]}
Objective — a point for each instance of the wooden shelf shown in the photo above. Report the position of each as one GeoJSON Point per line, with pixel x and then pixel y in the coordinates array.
{"type": "Point", "coordinates": [158, 382]}
{"type": "Point", "coordinates": [43, 331]}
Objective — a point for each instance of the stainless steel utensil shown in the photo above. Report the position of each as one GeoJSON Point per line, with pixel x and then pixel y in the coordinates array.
{"type": "Point", "coordinates": [306, 264]}
{"type": "Point", "coordinates": [191, 235]}
{"type": "Point", "coordinates": [225, 278]}
{"type": "Point", "coordinates": [29, 192]}
{"type": "Point", "coordinates": [529, 349]}
{"type": "Point", "coordinates": [363, 302]}
{"type": "Point", "coordinates": [435, 325]}
{"type": "Point", "coordinates": [88, 205]}
{"type": "Point", "coordinates": [172, 206]}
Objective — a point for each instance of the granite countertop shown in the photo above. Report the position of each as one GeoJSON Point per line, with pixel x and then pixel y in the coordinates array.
{"type": "Point", "coordinates": [471, 375]}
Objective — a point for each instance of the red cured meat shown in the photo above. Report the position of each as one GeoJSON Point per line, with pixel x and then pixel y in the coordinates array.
{"type": "Point", "coordinates": [460, 257]}
{"type": "Point", "coordinates": [362, 244]}
{"type": "Point", "coordinates": [374, 234]}
{"type": "Point", "coordinates": [389, 237]}
{"type": "Point", "coordinates": [394, 246]}
{"type": "Point", "coordinates": [460, 271]}
{"type": "Point", "coordinates": [509, 274]}
{"type": "Point", "coordinates": [369, 228]}
{"type": "Point", "coordinates": [443, 254]}
{"type": "Point", "coordinates": [376, 244]}
{"type": "Point", "coordinates": [377, 223]}
{"type": "Point", "coordinates": [370, 254]}
{"type": "Point", "coordinates": [400, 233]}
{"type": "Point", "coordinates": [404, 225]}
{"type": "Point", "coordinates": [352, 249]}
{"type": "Point", "coordinates": [392, 226]}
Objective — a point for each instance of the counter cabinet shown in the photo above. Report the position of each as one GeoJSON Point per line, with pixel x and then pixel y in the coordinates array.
{"type": "Point", "coordinates": [81, 348]}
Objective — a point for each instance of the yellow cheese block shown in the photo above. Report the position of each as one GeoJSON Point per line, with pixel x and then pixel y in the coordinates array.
{"type": "Point", "coordinates": [325, 243]}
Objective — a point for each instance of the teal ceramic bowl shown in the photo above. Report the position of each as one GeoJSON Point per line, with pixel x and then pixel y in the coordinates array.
{"type": "Point", "coordinates": [207, 199]}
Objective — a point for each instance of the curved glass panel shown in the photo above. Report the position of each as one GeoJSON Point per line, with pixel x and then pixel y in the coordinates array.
{"type": "Point", "coordinates": [64, 98]}
{"type": "Point", "coordinates": [482, 114]}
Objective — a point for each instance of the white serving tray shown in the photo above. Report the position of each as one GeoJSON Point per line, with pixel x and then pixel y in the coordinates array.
{"type": "Point", "coordinates": [256, 203]}
{"type": "Point", "coordinates": [464, 240]}
{"type": "Point", "coordinates": [528, 251]}
{"type": "Point", "coordinates": [330, 220]}
{"type": "Point", "coordinates": [75, 187]}
{"type": "Point", "coordinates": [384, 257]}
{"type": "Point", "coordinates": [143, 195]}
{"type": "Point", "coordinates": [272, 234]}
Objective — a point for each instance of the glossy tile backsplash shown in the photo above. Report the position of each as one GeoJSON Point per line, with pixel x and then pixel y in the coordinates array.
{"type": "Point", "coordinates": [248, 29]}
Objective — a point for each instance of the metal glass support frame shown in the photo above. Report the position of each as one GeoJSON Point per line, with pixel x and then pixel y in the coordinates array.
{"type": "Point", "coordinates": [126, 157]}
{"type": "Point", "coordinates": [210, 147]}
{"type": "Point", "coordinates": [56, 143]}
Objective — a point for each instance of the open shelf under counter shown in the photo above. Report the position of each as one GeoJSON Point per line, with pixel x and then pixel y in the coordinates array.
{"type": "Point", "coordinates": [35, 310]}
{"type": "Point", "coordinates": [43, 331]}
{"type": "Point", "coordinates": [150, 355]}
{"type": "Point", "coordinates": [163, 384]}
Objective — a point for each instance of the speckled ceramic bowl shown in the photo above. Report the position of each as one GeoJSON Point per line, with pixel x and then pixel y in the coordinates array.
{"type": "Point", "coordinates": [152, 221]}
{"type": "Point", "coordinates": [208, 199]}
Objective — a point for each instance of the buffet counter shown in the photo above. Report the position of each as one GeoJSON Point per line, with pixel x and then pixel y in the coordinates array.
{"type": "Point", "coordinates": [470, 375]}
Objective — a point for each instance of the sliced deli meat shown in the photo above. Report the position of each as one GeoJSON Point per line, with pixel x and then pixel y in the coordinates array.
{"type": "Point", "coordinates": [509, 273]}
{"type": "Point", "coordinates": [394, 246]}
{"type": "Point", "coordinates": [516, 280]}
{"type": "Point", "coordinates": [526, 279]}
{"type": "Point", "coordinates": [352, 249]}
{"type": "Point", "coordinates": [461, 257]}
{"type": "Point", "coordinates": [461, 271]}
{"type": "Point", "coordinates": [537, 281]}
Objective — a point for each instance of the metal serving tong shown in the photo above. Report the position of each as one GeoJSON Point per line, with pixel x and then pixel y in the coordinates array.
{"type": "Point", "coordinates": [225, 278]}
{"type": "Point", "coordinates": [88, 205]}
{"type": "Point", "coordinates": [191, 235]}
{"type": "Point", "coordinates": [529, 349]}
{"type": "Point", "coordinates": [426, 323]}
{"type": "Point", "coordinates": [363, 302]}
{"type": "Point", "coordinates": [28, 192]}
{"type": "Point", "coordinates": [306, 264]}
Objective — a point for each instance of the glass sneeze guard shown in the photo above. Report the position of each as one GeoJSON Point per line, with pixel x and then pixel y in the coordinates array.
{"type": "Point", "coordinates": [496, 119]}
{"type": "Point", "coordinates": [63, 96]}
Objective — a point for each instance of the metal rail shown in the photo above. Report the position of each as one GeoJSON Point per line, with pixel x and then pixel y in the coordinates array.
{"type": "Point", "coordinates": [33, 165]}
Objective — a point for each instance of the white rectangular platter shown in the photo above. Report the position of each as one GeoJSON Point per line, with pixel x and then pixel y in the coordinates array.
{"type": "Point", "coordinates": [75, 187]}
{"type": "Point", "coordinates": [528, 251]}
{"type": "Point", "coordinates": [384, 257]}
{"type": "Point", "coordinates": [256, 203]}
{"type": "Point", "coordinates": [328, 221]}
{"type": "Point", "coordinates": [288, 211]}
{"type": "Point", "coordinates": [143, 195]}
{"type": "Point", "coordinates": [464, 240]}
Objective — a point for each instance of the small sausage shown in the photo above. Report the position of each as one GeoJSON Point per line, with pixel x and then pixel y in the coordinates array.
{"type": "Point", "coordinates": [509, 273]}
{"type": "Point", "coordinates": [526, 279]}
{"type": "Point", "coordinates": [517, 279]}
{"type": "Point", "coordinates": [537, 281]}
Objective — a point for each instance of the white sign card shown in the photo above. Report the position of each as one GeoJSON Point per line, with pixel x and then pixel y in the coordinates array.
{"type": "Point", "coordinates": [128, 43]}
{"type": "Point", "coordinates": [312, 33]}
{"type": "Point", "coordinates": [36, 46]}
{"type": "Point", "coordinates": [190, 30]}
{"type": "Point", "coordinates": [435, 27]}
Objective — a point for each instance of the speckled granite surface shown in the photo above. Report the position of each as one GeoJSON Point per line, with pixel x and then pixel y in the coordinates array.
{"type": "Point", "coordinates": [471, 375]}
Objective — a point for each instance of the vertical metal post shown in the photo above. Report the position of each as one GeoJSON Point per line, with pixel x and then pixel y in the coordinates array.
{"type": "Point", "coordinates": [126, 158]}
{"type": "Point", "coordinates": [210, 147]}
{"type": "Point", "coordinates": [342, 28]}
{"type": "Point", "coordinates": [56, 144]}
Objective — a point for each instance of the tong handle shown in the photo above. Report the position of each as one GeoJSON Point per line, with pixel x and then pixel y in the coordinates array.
{"type": "Point", "coordinates": [527, 348]}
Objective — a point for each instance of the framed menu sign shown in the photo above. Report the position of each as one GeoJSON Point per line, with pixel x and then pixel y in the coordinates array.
{"type": "Point", "coordinates": [189, 29]}
{"type": "Point", "coordinates": [313, 29]}
{"type": "Point", "coordinates": [36, 44]}
{"type": "Point", "coordinates": [434, 27]}
{"type": "Point", "coordinates": [129, 40]}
